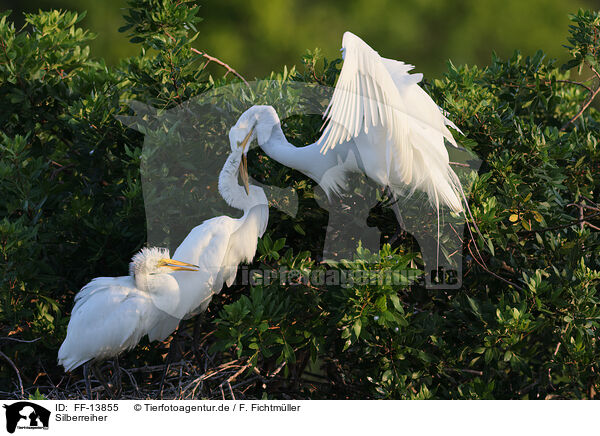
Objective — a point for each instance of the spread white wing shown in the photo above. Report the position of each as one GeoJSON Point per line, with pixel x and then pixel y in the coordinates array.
{"type": "Point", "coordinates": [375, 92]}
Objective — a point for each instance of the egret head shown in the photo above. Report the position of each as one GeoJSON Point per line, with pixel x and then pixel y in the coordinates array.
{"type": "Point", "coordinates": [261, 119]}
{"type": "Point", "coordinates": [151, 268]}
{"type": "Point", "coordinates": [235, 168]}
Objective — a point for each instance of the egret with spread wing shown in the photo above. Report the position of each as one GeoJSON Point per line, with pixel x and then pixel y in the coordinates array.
{"type": "Point", "coordinates": [379, 122]}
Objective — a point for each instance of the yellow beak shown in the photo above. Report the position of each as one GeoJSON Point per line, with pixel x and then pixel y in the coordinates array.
{"type": "Point", "coordinates": [177, 265]}
{"type": "Point", "coordinates": [244, 162]}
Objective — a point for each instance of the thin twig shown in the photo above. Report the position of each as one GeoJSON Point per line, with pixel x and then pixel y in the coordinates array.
{"type": "Point", "coordinates": [149, 368]}
{"type": "Point", "coordinates": [19, 340]}
{"type": "Point", "coordinates": [587, 103]}
{"type": "Point", "coordinates": [16, 370]}
{"type": "Point", "coordinates": [548, 82]}
{"type": "Point", "coordinates": [591, 225]}
{"type": "Point", "coordinates": [590, 200]}
{"type": "Point", "coordinates": [279, 368]}
{"type": "Point", "coordinates": [241, 370]}
{"type": "Point", "coordinates": [572, 82]}
{"type": "Point", "coordinates": [220, 62]}
{"type": "Point", "coordinates": [492, 272]}
{"type": "Point", "coordinates": [527, 388]}
{"type": "Point", "coordinates": [230, 390]}
{"type": "Point", "coordinates": [564, 226]}
{"type": "Point", "coordinates": [554, 355]}
{"type": "Point", "coordinates": [210, 58]}
{"type": "Point", "coordinates": [131, 378]}
{"type": "Point", "coordinates": [585, 206]}
{"type": "Point", "coordinates": [470, 371]}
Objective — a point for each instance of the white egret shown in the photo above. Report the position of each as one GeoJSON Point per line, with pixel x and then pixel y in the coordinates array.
{"type": "Point", "coordinates": [379, 122]}
{"type": "Point", "coordinates": [220, 244]}
{"type": "Point", "coordinates": [112, 314]}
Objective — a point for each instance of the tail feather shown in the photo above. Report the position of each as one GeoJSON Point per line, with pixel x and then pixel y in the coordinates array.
{"type": "Point", "coordinates": [430, 170]}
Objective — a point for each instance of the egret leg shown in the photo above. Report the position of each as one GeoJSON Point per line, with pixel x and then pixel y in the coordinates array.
{"type": "Point", "coordinates": [162, 378]}
{"type": "Point", "coordinates": [197, 331]}
{"type": "Point", "coordinates": [396, 210]}
{"type": "Point", "coordinates": [168, 360]}
{"type": "Point", "coordinates": [118, 380]}
{"type": "Point", "coordinates": [98, 373]}
{"type": "Point", "coordinates": [86, 378]}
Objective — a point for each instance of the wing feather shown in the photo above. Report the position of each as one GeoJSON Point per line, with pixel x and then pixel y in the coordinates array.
{"type": "Point", "coordinates": [112, 312]}
{"type": "Point", "coordinates": [374, 91]}
{"type": "Point", "coordinates": [205, 246]}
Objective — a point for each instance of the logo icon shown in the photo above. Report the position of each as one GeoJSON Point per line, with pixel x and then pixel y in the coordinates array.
{"type": "Point", "coordinates": [26, 415]}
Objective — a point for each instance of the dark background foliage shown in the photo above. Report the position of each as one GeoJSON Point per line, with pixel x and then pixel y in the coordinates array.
{"type": "Point", "coordinates": [524, 324]}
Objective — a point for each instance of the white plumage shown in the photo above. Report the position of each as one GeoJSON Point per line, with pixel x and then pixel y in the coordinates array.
{"type": "Point", "coordinates": [379, 122]}
{"type": "Point", "coordinates": [219, 244]}
{"type": "Point", "coordinates": [112, 314]}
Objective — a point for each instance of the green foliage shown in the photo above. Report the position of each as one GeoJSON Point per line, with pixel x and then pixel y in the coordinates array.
{"type": "Point", "coordinates": [36, 396]}
{"type": "Point", "coordinates": [523, 325]}
{"type": "Point", "coordinates": [172, 75]}
{"type": "Point", "coordinates": [584, 39]}
{"type": "Point", "coordinates": [71, 204]}
{"type": "Point", "coordinates": [424, 33]}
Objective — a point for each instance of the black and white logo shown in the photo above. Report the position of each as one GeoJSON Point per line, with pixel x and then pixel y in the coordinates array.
{"type": "Point", "coordinates": [26, 415]}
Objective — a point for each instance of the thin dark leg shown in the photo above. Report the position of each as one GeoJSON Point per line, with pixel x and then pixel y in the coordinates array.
{"type": "Point", "coordinates": [98, 373]}
{"type": "Point", "coordinates": [169, 359]}
{"type": "Point", "coordinates": [162, 379]}
{"type": "Point", "coordinates": [117, 370]}
{"type": "Point", "coordinates": [396, 210]}
{"type": "Point", "coordinates": [86, 378]}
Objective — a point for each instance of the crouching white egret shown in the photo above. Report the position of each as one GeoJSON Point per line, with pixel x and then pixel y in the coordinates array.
{"type": "Point", "coordinates": [380, 122]}
{"type": "Point", "coordinates": [112, 314]}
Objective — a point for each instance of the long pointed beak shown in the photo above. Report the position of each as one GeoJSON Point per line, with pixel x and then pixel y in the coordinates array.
{"type": "Point", "coordinates": [244, 174]}
{"type": "Point", "coordinates": [177, 265]}
{"type": "Point", "coordinates": [244, 162]}
{"type": "Point", "coordinates": [246, 139]}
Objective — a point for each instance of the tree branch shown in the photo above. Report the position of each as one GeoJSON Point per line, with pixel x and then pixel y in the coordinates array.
{"type": "Point", "coordinates": [220, 62]}
{"type": "Point", "coordinates": [210, 58]}
{"type": "Point", "coordinates": [492, 273]}
{"type": "Point", "coordinates": [16, 370]}
{"type": "Point", "coordinates": [564, 226]}
{"type": "Point", "coordinates": [587, 103]}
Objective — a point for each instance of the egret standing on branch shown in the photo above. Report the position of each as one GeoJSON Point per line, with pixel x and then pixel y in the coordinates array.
{"type": "Point", "coordinates": [379, 122]}
{"type": "Point", "coordinates": [220, 244]}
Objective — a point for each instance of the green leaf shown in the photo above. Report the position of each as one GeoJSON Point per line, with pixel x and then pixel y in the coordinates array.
{"type": "Point", "coordinates": [357, 327]}
{"type": "Point", "coordinates": [396, 302]}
